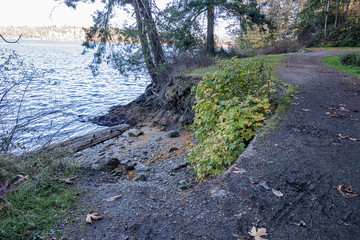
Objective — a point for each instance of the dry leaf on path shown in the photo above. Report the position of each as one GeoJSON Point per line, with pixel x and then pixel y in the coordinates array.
{"type": "Point", "coordinates": [111, 199]}
{"type": "Point", "coordinates": [68, 180]}
{"type": "Point", "coordinates": [258, 233]}
{"type": "Point", "coordinates": [21, 179]}
{"type": "Point", "coordinates": [263, 184]}
{"type": "Point", "coordinates": [92, 217]}
{"type": "Point", "coordinates": [306, 110]}
{"type": "Point", "coordinates": [343, 136]}
{"type": "Point", "coordinates": [239, 170]}
{"type": "Point", "coordinates": [346, 191]}
{"type": "Point", "coordinates": [277, 193]}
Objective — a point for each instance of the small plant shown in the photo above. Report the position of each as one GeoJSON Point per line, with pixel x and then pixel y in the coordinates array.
{"type": "Point", "coordinates": [350, 59]}
{"type": "Point", "coordinates": [231, 106]}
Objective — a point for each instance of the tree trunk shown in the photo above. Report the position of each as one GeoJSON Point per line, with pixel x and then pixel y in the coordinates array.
{"type": "Point", "coordinates": [347, 9]}
{"type": "Point", "coordinates": [150, 43]}
{"type": "Point", "coordinates": [144, 43]}
{"type": "Point", "coordinates": [337, 13]}
{"type": "Point", "coordinates": [326, 18]}
{"type": "Point", "coordinates": [210, 40]}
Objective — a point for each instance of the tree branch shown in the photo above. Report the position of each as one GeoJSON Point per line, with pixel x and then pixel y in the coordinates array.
{"type": "Point", "coordinates": [10, 41]}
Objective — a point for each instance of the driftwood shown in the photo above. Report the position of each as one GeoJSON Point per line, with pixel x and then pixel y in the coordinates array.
{"type": "Point", "coordinates": [82, 142]}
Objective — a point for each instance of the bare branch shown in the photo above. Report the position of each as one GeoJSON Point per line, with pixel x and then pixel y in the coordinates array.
{"type": "Point", "coordinates": [10, 41]}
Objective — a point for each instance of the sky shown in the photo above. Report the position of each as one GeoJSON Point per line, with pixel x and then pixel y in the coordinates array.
{"type": "Point", "coordinates": [50, 12]}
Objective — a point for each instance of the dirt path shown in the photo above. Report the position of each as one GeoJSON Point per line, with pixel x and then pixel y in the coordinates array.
{"type": "Point", "coordinates": [304, 158]}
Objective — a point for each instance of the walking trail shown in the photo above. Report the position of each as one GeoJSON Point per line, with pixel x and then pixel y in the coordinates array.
{"type": "Point", "coordinates": [287, 180]}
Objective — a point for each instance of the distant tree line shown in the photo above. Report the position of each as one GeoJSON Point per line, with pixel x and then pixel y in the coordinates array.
{"type": "Point", "coordinates": [51, 33]}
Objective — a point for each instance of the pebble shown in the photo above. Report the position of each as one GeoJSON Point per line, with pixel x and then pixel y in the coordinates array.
{"type": "Point", "coordinates": [141, 168]}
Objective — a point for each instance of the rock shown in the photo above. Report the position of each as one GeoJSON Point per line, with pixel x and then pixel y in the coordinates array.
{"type": "Point", "coordinates": [109, 163]}
{"type": "Point", "coordinates": [173, 149]}
{"type": "Point", "coordinates": [130, 167]}
{"type": "Point", "coordinates": [141, 177]}
{"type": "Point", "coordinates": [178, 167]}
{"type": "Point", "coordinates": [123, 163]}
{"type": "Point", "coordinates": [135, 132]}
{"type": "Point", "coordinates": [141, 168]}
{"type": "Point", "coordinates": [108, 120]}
{"type": "Point", "coordinates": [182, 182]}
{"type": "Point", "coordinates": [173, 134]}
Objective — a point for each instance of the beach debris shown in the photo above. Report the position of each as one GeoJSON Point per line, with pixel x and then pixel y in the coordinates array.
{"type": "Point", "coordinates": [258, 233]}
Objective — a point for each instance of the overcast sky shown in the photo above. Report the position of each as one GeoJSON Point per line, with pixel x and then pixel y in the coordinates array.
{"type": "Point", "coordinates": [49, 12]}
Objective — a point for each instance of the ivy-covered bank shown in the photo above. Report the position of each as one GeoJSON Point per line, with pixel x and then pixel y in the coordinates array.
{"type": "Point", "coordinates": [231, 106]}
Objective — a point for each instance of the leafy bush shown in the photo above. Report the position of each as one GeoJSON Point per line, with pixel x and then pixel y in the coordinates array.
{"type": "Point", "coordinates": [231, 106]}
{"type": "Point", "coordinates": [351, 59]}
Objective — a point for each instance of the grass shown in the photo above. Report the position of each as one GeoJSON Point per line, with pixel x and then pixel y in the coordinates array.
{"type": "Point", "coordinates": [334, 62]}
{"type": "Point", "coordinates": [31, 211]}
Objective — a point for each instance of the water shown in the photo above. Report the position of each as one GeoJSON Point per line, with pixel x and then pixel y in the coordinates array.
{"type": "Point", "coordinates": [69, 88]}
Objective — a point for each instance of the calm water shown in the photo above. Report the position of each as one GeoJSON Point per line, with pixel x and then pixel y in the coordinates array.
{"type": "Point", "coordinates": [69, 88]}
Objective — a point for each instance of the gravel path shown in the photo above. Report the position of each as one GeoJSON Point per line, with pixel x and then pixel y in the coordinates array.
{"type": "Point", "coordinates": [305, 158]}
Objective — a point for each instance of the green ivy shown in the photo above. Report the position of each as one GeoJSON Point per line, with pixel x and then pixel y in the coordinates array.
{"type": "Point", "coordinates": [231, 106]}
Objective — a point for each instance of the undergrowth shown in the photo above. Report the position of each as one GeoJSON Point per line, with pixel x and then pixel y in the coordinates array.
{"type": "Point", "coordinates": [335, 63]}
{"type": "Point", "coordinates": [31, 211]}
{"type": "Point", "coordinates": [231, 106]}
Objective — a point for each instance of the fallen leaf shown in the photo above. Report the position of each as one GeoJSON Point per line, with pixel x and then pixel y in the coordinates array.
{"type": "Point", "coordinates": [306, 110]}
{"type": "Point", "coordinates": [21, 179]}
{"type": "Point", "coordinates": [346, 191]}
{"type": "Point", "coordinates": [335, 115]}
{"type": "Point", "coordinates": [239, 170]}
{"type": "Point", "coordinates": [113, 198]}
{"type": "Point", "coordinates": [92, 217]}
{"type": "Point", "coordinates": [343, 109]}
{"type": "Point", "coordinates": [277, 193]}
{"type": "Point", "coordinates": [258, 233]}
{"type": "Point", "coordinates": [68, 180]}
{"type": "Point", "coordinates": [31, 224]}
{"type": "Point", "coordinates": [2, 207]}
{"type": "Point", "coordinates": [300, 224]}
{"type": "Point", "coordinates": [263, 184]}
{"type": "Point", "coordinates": [343, 136]}
{"type": "Point", "coordinates": [27, 232]}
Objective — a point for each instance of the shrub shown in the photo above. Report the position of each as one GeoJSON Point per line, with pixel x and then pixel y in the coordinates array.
{"type": "Point", "coordinates": [230, 108]}
{"type": "Point", "coordinates": [351, 59]}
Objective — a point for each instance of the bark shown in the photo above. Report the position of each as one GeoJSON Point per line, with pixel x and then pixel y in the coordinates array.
{"type": "Point", "coordinates": [210, 40]}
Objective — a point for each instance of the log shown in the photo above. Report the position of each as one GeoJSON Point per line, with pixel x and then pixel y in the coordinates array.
{"type": "Point", "coordinates": [89, 140]}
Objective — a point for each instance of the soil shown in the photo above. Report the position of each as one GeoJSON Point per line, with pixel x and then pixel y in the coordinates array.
{"type": "Point", "coordinates": [286, 181]}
